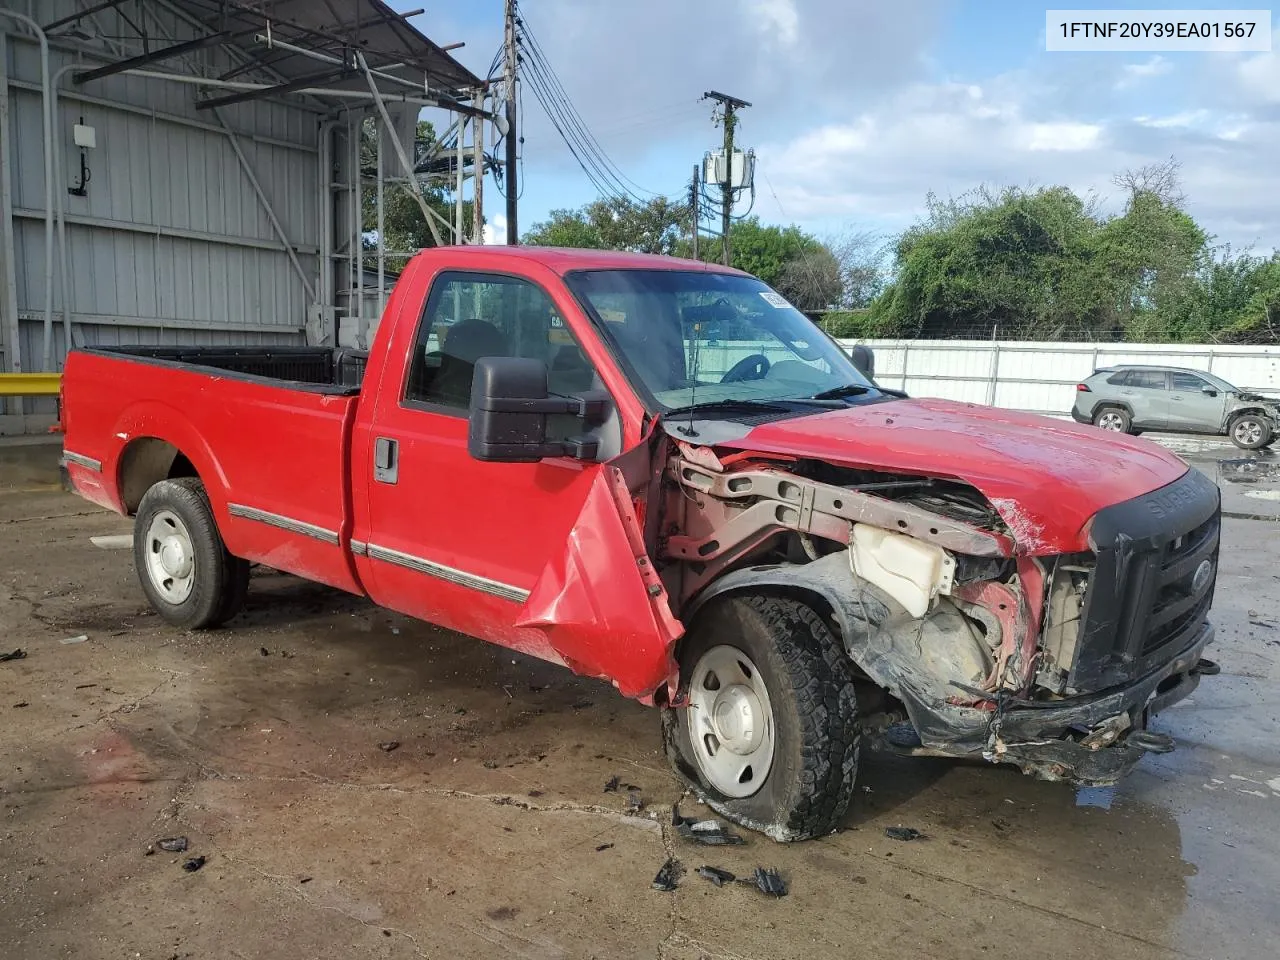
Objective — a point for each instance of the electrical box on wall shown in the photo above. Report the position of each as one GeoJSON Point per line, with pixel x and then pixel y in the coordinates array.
{"type": "Point", "coordinates": [85, 136]}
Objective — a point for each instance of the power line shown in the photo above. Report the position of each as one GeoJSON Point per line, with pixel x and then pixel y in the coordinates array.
{"type": "Point", "coordinates": [586, 149]}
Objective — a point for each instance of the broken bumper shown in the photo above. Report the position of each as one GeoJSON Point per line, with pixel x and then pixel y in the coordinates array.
{"type": "Point", "coordinates": [1052, 741]}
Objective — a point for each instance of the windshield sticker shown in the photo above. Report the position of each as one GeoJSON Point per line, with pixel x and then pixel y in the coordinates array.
{"type": "Point", "coordinates": [774, 299]}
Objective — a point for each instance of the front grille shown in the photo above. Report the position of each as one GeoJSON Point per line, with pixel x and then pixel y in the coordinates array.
{"type": "Point", "coordinates": [1178, 604]}
{"type": "Point", "coordinates": [1144, 603]}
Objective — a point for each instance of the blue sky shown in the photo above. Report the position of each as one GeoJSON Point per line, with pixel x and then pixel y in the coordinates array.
{"type": "Point", "coordinates": [863, 107]}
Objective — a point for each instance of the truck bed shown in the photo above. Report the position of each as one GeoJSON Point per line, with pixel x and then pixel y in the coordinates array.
{"type": "Point", "coordinates": [269, 428]}
{"type": "Point", "coordinates": [341, 369]}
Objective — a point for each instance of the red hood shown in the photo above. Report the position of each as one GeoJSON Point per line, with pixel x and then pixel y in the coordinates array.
{"type": "Point", "coordinates": [1046, 477]}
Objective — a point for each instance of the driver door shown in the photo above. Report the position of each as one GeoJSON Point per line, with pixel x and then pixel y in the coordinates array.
{"type": "Point", "coordinates": [450, 539]}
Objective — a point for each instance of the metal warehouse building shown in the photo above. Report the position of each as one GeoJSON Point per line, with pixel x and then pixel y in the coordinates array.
{"type": "Point", "coordinates": [188, 172]}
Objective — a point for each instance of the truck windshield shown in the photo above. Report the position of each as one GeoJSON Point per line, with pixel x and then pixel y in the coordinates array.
{"type": "Point", "coordinates": [714, 339]}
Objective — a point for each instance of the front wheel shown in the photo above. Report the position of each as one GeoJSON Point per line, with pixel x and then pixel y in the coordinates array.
{"type": "Point", "coordinates": [1250, 431]}
{"type": "Point", "coordinates": [183, 565]}
{"type": "Point", "coordinates": [769, 736]}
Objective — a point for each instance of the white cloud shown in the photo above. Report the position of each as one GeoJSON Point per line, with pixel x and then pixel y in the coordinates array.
{"type": "Point", "coordinates": [1134, 73]}
{"type": "Point", "coordinates": [878, 166]}
{"type": "Point", "coordinates": [1260, 75]}
{"type": "Point", "coordinates": [778, 18]}
{"type": "Point", "coordinates": [495, 230]}
{"type": "Point", "coordinates": [1062, 136]}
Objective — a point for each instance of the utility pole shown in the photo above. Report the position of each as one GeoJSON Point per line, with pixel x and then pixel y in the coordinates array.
{"type": "Point", "coordinates": [731, 105]}
{"type": "Point", "coordinates": [695, 189]}
{"type": "Point", "coordinates": [513, 230]}
{"type": "Point", "coordinates": [477, 173]}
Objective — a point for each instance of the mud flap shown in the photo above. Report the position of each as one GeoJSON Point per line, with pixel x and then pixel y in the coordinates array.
{"type": "Point", "coordinates": [601, 603]}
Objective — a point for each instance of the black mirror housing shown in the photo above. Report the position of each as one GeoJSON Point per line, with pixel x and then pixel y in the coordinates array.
{"type": "Point", "coordinates": [509, 409]}
{"type": "Point", "coordinates": [864, 359]}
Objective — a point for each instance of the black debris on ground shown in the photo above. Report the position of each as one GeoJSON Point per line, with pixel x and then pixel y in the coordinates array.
{"type": "Point", "coordinates": [18, 654]}
{"type": "Point", "coordinates": [635, 802]}
{"type": "Point", "coordinates": [709, 833]}
{"type": "Point", "coordinates": [535, 793]}
{"type": "Point", "coordinates": [194, 864]}
{"type": "Point", "coordinates": [903, 833]}
{"type": "Point", "coordinates": [264, 651]}
{"type": "Point", "coordinates": [603, 847]}
{"type": "Point", "coordinates": [668, 877]}
{"type": "Point", "coordinates": [583, 704]}
{"type": "Point", "coordinates": [716, 875]}
{"type": "Point", "coordinates": [20, 704]}
{"type": "Point", "coordinates": [172, 844]}
{"type": "Point", "coordinates": [611, 785]}
{"type": "Point", "coordinates": [386, 746]}
{"type": "Point", "coordinates": [769, 882]}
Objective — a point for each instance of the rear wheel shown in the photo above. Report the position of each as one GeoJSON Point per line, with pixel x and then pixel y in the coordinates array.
{"type": "Point", "coordinates": [1113, 420]}
{"type": "Point", "coordinates": [769, 737]}
{"type": "Point", "coordinates": [1250, 431]}
{"type": "Point", "coordinates": [184, 567]}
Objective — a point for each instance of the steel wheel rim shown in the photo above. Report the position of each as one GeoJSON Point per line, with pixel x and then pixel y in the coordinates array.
{"type": "Point", "coordinates": [731, 725]}
{"type": "Point", "coordinates": [1248, 431]}
{"type": "Point", "coordinates": [1111, 421]}
{"type": "Point", "coordinates": [170, 557]}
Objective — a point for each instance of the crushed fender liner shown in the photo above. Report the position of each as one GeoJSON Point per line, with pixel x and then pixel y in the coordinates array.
{"type": "Point", "coordinates": [591, 606]}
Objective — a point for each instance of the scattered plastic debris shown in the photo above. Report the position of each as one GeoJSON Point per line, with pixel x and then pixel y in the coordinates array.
{"type": "Point", "coordinates": [172, 844]}
{"type": "Point", "coordinates": [603, 847]}
{"type": "Point", "coordinates": [18, 654]}
{"type": "Point", "coordinates": [711, 833]}
{"type": "Point", "coordinates": [716, 875]}
{"type": "Point", "coordinates": [770, 882]}
{"type": "Point", "coordinates": [194, 864]}
{"type": "Point", "coordinates": [386, 746]}
{"type": "Point", "coordinates": [668, 877]}
{"type": "Point", "coordinates": [123, 541]}
{"type": "Point", "coordinates": [612, 784]}
{"type": "Point", "coordinates": [80, 639]}
{"type": "Point", "coordinates": [903, 833]}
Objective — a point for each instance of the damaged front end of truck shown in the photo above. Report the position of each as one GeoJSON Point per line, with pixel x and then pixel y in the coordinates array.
{"type": "Point", "coordinates": [972, 630]}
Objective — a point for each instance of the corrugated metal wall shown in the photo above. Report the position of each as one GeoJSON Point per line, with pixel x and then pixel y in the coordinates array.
{"type": "Point", "coordinates": [171, 244]}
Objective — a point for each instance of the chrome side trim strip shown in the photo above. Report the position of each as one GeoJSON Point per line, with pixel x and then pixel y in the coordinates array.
{"type": "Point", "coordinates": [81, 460]}
{"type": "Point", "coordinates": [359, 548]}
{"type": "Point", "coordinates": [284, 523]}
{"type": "Point", "coordinates": [440, 571]}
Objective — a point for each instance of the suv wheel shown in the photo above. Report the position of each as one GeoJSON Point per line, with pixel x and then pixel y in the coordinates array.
{"type": "Point", "coordinates": [769, 737]}
{"type": "Point", "coordinates": [1113, 420]}
{"type": "Point", "coordinates": [1250, 431]}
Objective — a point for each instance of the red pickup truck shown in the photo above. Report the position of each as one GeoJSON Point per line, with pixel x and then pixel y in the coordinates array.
{"type": "Point", "coordinates": [659, 473]}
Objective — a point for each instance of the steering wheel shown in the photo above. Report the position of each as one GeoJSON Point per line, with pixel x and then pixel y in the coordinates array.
{"type": "Point", "coordinates": [753, 367]}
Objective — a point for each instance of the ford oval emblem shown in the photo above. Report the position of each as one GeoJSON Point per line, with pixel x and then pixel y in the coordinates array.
{"type": "Point", "coordinates": [1200, 579]}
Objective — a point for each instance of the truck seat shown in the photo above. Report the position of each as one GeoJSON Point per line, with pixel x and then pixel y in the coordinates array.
{"type": "Point", "coordinates": [464, 344]}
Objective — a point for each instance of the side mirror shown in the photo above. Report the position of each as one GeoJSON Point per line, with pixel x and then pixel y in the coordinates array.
{"type": "Point", "coordinates": [509, 410]}
{"type": "Point", "coordinates": [864, 359]}
{"type": "Point", "coordinates": [1208, 390]}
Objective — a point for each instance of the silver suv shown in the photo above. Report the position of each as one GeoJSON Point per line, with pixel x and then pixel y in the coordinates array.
{"type": "Point", "coordinates": [1132, 399]}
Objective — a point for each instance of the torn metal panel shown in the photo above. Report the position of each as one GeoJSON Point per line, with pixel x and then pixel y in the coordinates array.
{"type": "Point", "coordinates": [607, 618]}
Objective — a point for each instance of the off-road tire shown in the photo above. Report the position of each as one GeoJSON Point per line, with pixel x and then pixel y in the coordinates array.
{"type": "Point", "coordinates": [811, 780]}
{"type": "Point", "coordinates": [1263, 435]}
{"type": "Point", "coordinates": [221, 581]}
{"type": "Point", "coordinates": [1126, 421]}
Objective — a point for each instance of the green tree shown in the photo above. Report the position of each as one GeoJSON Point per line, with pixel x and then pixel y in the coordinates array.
{"type": "Point", "coordinates": [762, 250]}
{"type": "Point", "coordinates": [618, 223]}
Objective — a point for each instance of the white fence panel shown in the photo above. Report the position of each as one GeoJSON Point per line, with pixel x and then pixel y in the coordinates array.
{"type": "Point", "coordinates": [1041, 377]}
